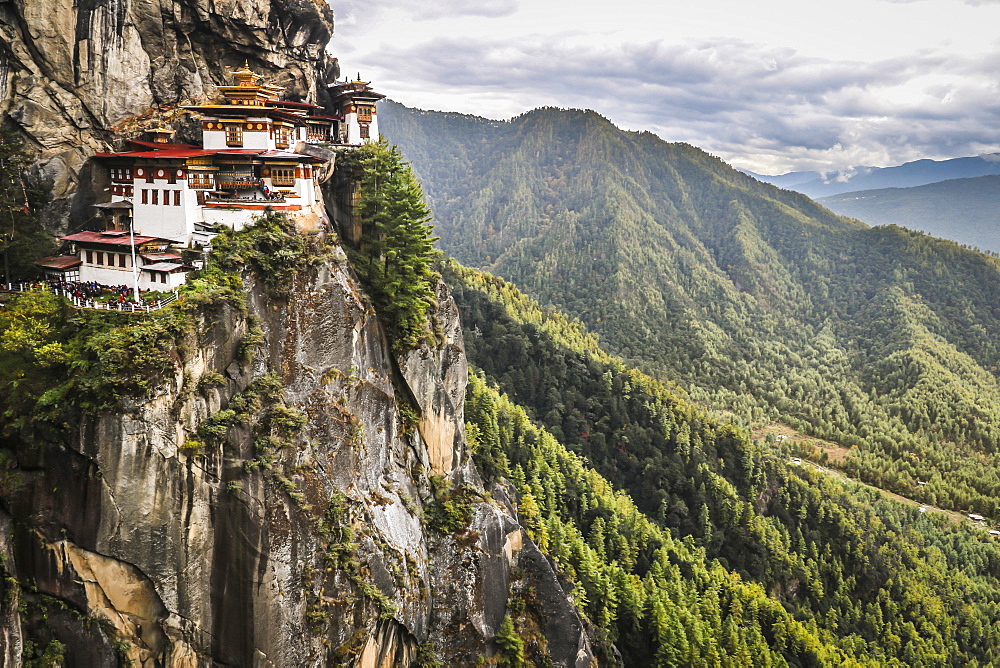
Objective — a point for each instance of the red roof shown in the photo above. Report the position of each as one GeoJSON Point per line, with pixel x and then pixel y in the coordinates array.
{"type": "Point", "coordinates": [200, 152]}
{"type": "Point", "coordinates": [61, 262]}
{"type": "Point", "coordinates": [165, 153]}
{"type": "Point", "coordinates": [178, 153]}
{"type": "Point", "coordinates": [115, 238]}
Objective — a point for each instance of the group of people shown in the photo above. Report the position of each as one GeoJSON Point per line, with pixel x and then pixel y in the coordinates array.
{"type": "Point", "coordinates": [90, 293]}
{"type": "Point", "coordinates": [268, 193]}
{"type": "Point", "coordinates": [88, 289]}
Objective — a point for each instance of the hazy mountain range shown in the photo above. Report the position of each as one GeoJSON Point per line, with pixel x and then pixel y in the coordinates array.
{"type": "Point", "coordinates": [963, 210]}
{"type": "Point", "coordinates": [907, 175]}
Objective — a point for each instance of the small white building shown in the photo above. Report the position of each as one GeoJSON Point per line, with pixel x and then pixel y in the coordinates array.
{"type": "Point", "coordinates": [107, 258]}
{"type": "Point", "coordinates": [356, 102]}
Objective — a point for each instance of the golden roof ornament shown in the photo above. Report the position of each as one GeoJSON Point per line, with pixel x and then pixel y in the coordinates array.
{"type": "Point", "coordinates": [245, 76]}
{"type": "Point", "coordinates": [160, 135]}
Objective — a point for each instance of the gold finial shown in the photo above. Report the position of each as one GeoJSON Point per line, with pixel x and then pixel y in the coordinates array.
{"type": "Point", "coordinates": [245, 76]}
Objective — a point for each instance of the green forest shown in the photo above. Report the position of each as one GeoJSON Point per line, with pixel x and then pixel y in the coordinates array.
{"type": "Point", "coordinates": [756, 302]}
{"type": "Point", "coordinates": [688, 544]}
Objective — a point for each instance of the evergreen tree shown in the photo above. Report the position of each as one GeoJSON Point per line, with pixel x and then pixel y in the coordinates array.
{"type": "Point", "coordinates": [22, 238]}
{"type": "Point", "coordinates": [511, 645]}
{"type": "Point", "coordinates": [397, 247]}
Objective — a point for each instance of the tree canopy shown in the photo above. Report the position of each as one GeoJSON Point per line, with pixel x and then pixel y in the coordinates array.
{"type": "Point", "coordinates": [23, 239]}
{"type": "Point", "coordinates": [394, 256]}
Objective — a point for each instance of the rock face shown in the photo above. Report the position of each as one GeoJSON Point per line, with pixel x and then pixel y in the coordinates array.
{"type": "Point", "coordinates": [73, 73]}
{"type": "Point", "coordinates": [296, 532]}
{"type": "Point", "coordinates": [278, 498]}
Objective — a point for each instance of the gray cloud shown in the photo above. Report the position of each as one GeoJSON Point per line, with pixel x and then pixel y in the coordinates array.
{"type": "Point", "coordinates": [733, 98]}
{"type": "Point", "coordinates": [973, 3]}
{"type": "Point", "coordinates": [362, 11]}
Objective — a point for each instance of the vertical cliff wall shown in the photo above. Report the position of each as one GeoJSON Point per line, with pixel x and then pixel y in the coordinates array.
{"type": "Point", "coordinates": [290, 493]}
{"type": "Point", "coordinates": [72, 73]}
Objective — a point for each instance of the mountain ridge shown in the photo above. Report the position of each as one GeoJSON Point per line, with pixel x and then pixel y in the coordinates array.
{"type": "Point", "coordinates": [963, 210]}
{"type": "Point", "coordinates": [758, 301]}
{"type": "Point", "coordinates": [907, 175]}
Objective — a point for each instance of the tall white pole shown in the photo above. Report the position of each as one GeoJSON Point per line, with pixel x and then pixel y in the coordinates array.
{"type": "Point", "coordinates": [135, 266]}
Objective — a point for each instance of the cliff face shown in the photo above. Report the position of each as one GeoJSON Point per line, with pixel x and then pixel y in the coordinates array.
{"type": "Point", "coordinates": [280, 510]}
{"type": "Point", "coordinates": [289, 493]}
{"type": "Point", "coordinates": [72, 73]}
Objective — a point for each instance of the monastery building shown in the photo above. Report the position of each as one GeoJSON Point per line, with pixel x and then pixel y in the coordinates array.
{"type": "Point", "coordinates": [167, 196]}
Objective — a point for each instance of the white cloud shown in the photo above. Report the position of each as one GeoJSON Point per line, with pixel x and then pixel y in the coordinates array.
{"type": "Point", "coordinates": [720, 77]}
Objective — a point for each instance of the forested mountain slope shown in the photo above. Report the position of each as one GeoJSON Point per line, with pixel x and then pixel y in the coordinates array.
{"type": "Point", "coordinates": [963, 210]}
{"type": "Point", "coordinates": [756, 300]}
{"type": "Point", "coordinates": [716, 553]}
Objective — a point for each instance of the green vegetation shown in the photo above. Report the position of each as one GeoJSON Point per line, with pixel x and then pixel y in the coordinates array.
{"type": "Point", "coordinates": [271, 246]}
{"type": "Point", "coordinates": [393, 259]}
{"type": "Point", "coordinates": [511, 645]}
{"type": "Point", "coordinates": [451, 510]}
{"type": "Point", "coordinates": [688, 545]}
{"type": "Point", "coordinates": [22, 239]}
{"type": "Point", "coordinates": [56, 361]}
{"type": "Point", "coordinates": [758, 302]}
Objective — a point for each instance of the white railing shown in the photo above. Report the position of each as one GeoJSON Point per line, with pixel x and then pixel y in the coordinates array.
{"type": "Point", "coordinates": [89, 303]}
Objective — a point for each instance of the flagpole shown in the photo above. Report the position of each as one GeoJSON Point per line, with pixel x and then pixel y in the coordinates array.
{"type": "Point", "coordinates": [135, 266]}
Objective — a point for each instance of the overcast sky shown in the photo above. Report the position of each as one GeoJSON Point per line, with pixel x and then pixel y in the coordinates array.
{"type": "Point", "coordinates": [768, 85]}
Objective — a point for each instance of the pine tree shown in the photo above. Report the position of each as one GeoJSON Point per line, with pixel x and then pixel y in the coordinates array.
{"type": "Point", "coordinates": [22, 238]}
{"type": "Point", "coordinates": [397, 247]}
{"type": "Point", "coordinates": [511, 645]}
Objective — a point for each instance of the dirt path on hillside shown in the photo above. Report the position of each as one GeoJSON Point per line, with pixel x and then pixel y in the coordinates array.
{"type": "Point", "coordinates": [837, 454]}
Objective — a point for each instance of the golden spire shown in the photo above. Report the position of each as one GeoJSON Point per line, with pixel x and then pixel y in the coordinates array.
{"type": "Point", "coordinates": [245, 76]}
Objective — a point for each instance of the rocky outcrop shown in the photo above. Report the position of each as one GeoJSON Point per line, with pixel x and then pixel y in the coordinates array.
{"type": "Point", "coordinates": [436, 377]}
{"type": "Point", "coordinates": [296, 530]}
{"type": "Point", "coordinates": [74, 73]}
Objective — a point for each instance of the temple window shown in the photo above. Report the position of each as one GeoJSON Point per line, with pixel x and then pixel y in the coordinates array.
{"type": "Point", "coordinates": [234, 135]}
{"type": "Point", "coordinates": [282, 136]}
{"type": "Point", "coordinates": [283, 176]}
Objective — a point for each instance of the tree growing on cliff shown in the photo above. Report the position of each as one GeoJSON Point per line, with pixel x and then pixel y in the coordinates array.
{"type": "Point", "coordinates": [22, 238]}
{"type": "Point", "coordinates": [396, 249]}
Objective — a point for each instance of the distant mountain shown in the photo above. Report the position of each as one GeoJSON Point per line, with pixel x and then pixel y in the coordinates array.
{"type": "Point", "coordinates": [787, 181]}
{"type": "Point", "coordinates": [963, 210]}
{"type": "Point", "coordinates": [756, 300]}
{"type": "Point", "coordinates": [908, 175]}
